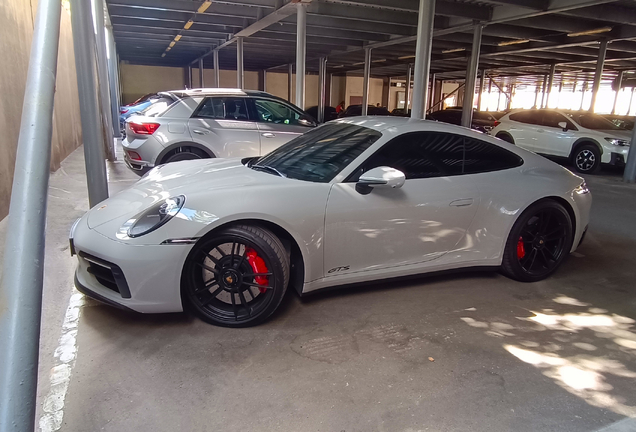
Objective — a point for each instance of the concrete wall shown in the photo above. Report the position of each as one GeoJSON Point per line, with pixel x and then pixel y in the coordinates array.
{"type": "Point", "coordinates": [354, 89]}
{"type": "Point", "coordinates": [16, 32]}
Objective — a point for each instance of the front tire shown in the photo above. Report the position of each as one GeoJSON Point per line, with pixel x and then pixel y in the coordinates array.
{"type": "Point", "coordinates": [587, 159]}
{"type": "Point", "coordinates": [236, 277]}
{"type": "Point", "coordinates": [540, 240]}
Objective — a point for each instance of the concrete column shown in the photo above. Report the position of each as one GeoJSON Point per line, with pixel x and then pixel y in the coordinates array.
{"type": "Point", "coordinates": [422, 57]}
{"type": "Point", "coordinates": [322, 91]}
{"type": "Point", "coordinates": [430, 96]}
{"type": "Point", "coordinates": [407, 92]}
{"type": "Point", "coordinates": [240, 74]}
{"type": "Point", "coordinates": [598, 74]}
{"type": "Point", "coordinates": [629, 175]}
{"type": "Point", "coordinates": [471, 77]}
{"type": "Point", "coordinates": [367, 78]}
{"type": "Point", "coordinates": [217, 70]}
{"type": "Point", "coordinates": [201, 84]}
{"type": "Point", "coordinates": [301, 45]}
{"type": "Point", "coordinates": [481, 88]}
{"type": "Point", "coordinates": [113, 80]}
{"type": "Point", "coordinates": [550, 84]}
{"type": "Point", "coordinates": [84, 45]}
{"type": "Point", "coordinates": [619, 84]}
{"type": "Point", "coordinates": [23, 275]}
{"type": "Point", "coordinates": [290, 82]}
{"type": "Point", "coordinates": [102, 76]}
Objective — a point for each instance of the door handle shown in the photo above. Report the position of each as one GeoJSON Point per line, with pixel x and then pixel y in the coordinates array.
{"type": "Point", "coordinates": [200, 132]}
{"type": "Point", "coordinates": [268, 135]}
{"type": "Point", "coordinates": [462, 202]}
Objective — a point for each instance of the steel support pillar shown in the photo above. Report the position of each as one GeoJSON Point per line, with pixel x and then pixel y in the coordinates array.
{"type": "Point", "coordinates": [301, 45]}
{"type": "Point", "coordinates": [543, 90]}
{"type": "Point", "coordinates": [629, 175]}
{"type": "Point", "coordinates": [217, 69]}
{"type": "Point", "coordinates": [240, 73]}
{"type": "Point", "coordinates": [481, 88]}
{"type": "Point", "coordinates": [365, 83]}
{"type": "Point", "coordinates": [113, 81]}
{"type": "Point", "coordinates": [188, 72]}
{"type": "Point", "coordinates": [471, 78]}
{"type": "Point", "coordinates": [429, 104]}
{"type": "Point", "coordinates": [422, 57]}
{"type": "Point", "coordinates": [631, 99]}
{"type": "Point", "coordinates": [201, 84]}
{"type": "Point", "coordinates": [550, 84]}
{"type": "Point", "coordinates": [619, 84]}
{"type": "Point", "coordinates": [22, 279]}
{"type": "Point", "coordinates": [583, 89]}
{"type": "Point", "coordinates": [290, 83]}
{"type": "Point", "coordinates": [407, 92]}
{"type": "Point", "coordinates": [83, 42]}
{"type": "Point", "coordinates": [322, 88]}
{"type": "Point", "coordinates": [598, 74]}
{"type": "Point", "coordinates": [102, 76]}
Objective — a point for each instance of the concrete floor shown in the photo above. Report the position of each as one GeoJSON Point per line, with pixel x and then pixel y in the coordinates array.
{"type": "Point", "coordinates": [462, 352]}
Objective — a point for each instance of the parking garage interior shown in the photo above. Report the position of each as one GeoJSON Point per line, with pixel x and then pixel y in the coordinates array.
{"type": "Point", "coordinates": [465, 351]}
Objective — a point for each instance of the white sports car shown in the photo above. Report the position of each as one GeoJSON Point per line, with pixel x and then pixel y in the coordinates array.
{"type": "Point", "coordinates": [352, 201]}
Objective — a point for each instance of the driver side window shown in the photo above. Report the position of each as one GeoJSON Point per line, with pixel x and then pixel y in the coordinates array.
{"type": "Point", "coordinates": [269, 111]}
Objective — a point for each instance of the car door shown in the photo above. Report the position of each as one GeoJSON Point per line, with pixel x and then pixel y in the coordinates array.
{"type": "Point", "coordinates": [277, 123]}
{"type": "Point", "coordinates": [551, 139]}
{"type": "Point", "coordinates": [223, 125]}
{"type": "Point", "coordinates": [523, 127]}
{"type": "Point", "coordinates": [421, 221]}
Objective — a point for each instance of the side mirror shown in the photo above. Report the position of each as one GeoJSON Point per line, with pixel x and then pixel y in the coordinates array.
{"type": "Point", "coordinates": [306, 121]}
{"type": "Point", "coordinates": [564, 126]}
{"type": "Point", "coordinates": [380, 177]}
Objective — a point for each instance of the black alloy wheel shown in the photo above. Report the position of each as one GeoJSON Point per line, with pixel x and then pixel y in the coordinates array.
{"type": "Point", "coordinates": [185, 153]}
{"type": "Point", "coordinates": [237, 277]}
{"type": "Point", "coordinates": [538, 243]}
{"type": "Point", "coordinates": [587, 159]}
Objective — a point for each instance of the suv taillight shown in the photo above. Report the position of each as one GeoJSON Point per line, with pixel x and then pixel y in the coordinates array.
{"type": "Point", "coordinates": [143, 128]}
{"type": "Point", "coordinates": [123, 110]}
{"type": "Point", "coordinates": [497, 123]}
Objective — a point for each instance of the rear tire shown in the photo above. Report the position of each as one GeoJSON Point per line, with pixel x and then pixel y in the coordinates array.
{"type": "Point", "coordinates": [539, 242]}
{"type": "Point", "coordinates": [184, 153]}
{"type": "Point", "coordinates": [586, 159]}
{"type": "Point", "coordinates": [236, 277]}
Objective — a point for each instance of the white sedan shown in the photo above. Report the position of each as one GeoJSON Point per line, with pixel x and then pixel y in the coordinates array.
{"type": "Point", "coordinates": [355, 200]}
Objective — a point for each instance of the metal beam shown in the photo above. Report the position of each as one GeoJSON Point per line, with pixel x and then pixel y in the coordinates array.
{"type": "Point", "coordinates": [84, 46]}
{"type": "Point", "coordinates": [301, 35]}
{"type": "Point", "coordinates": [598, 74]}
{"type": "Point", "coordinates": [240, 74]}
{"type": "Point", "coordinates": [367, 78]}
{"type": "Point", "coordinates": [471, 78]}
{"type": "Point", "coordinates": [543, 99]}
{"type": "Point", "coordinates": [22, 279]}
{"type": "Point", "coordinates": [422, 57]}
{"type": "Point", "coordinates": [619, 84]}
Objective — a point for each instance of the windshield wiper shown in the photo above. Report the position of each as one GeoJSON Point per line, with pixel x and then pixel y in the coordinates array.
{"type": "Point", "coordinates": [268, 169]}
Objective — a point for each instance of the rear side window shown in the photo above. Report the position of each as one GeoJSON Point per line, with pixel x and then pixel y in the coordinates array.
{"type": "Point", "coordinates": [530, 117]}
{"type": "Point", "coordinates": [553, 118]}
{"type": "Point", "coordinates": [223, 108]}
{"type": "Point", "coordinates": [480, 156]}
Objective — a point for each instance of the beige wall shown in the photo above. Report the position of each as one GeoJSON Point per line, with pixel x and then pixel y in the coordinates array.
{"type": "Point", "coordinates": [354, 88]}
{"type": "Point", "coordinates": [137, 80]}
{"type": "Point", "coordinates": [16, 32]}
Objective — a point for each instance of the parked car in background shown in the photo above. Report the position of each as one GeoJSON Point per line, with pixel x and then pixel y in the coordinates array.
{"type": "Point", "coordinates": [208, 123]}
{"type": "Point", "coordinates": [497, 114]}
{"type": "Point", "coordinates": [226, 238]}
{"type": "Point", "coordinates": [482, 121]}
{"type": "Point", "coordinates": [356, 110]}
{"type": "Point", "coordinates": [623, 122]}
{"type": "Point", "coordinates": [586, 139]}
{"type": "Point", "coordinates": [162, 98]}
{"type": "Point", "coordinates": [401, 112]}
{"type": "Point", "coordinates": [330, 113]}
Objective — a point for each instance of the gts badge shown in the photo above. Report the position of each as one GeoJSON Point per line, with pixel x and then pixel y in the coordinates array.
{"type": "Point", "coordinates": [338, 269]}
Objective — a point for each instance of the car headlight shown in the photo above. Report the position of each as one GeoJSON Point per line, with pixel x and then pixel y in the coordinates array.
{"type": "Point", "coordinates": [582, 189]}
{"type": "Point", "coordinates": [617, 142]}
{"type": "Point", "coordinates": [153, 217]}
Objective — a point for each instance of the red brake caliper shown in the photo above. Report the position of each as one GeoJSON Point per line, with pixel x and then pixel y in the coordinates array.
{"type": "Point", "coordinates": [521, 249]}
{"type": "Point", "coordinates": [258, 266]}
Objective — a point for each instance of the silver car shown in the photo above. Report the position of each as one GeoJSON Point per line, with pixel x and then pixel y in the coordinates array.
{"type": "Point", "coordinates": [212, 123]}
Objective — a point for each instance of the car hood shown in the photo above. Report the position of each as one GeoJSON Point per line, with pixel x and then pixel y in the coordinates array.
{"type": "Point", "coordinates": [180, 178]}
{"type": "Point", "coordinates": [622, 134]}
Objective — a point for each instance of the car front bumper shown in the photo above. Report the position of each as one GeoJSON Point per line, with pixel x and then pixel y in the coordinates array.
{"type": "Point", "coordinates": [142, 278]}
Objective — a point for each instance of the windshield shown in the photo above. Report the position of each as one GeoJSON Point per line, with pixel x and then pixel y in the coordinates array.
{"type": "Point", "coordinates": [319, 154]}
{"type": "Point", "coordinates": [593, 121]}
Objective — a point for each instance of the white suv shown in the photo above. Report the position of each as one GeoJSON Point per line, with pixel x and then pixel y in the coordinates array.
{"type": "Point", "coordinates": [586, 139]}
